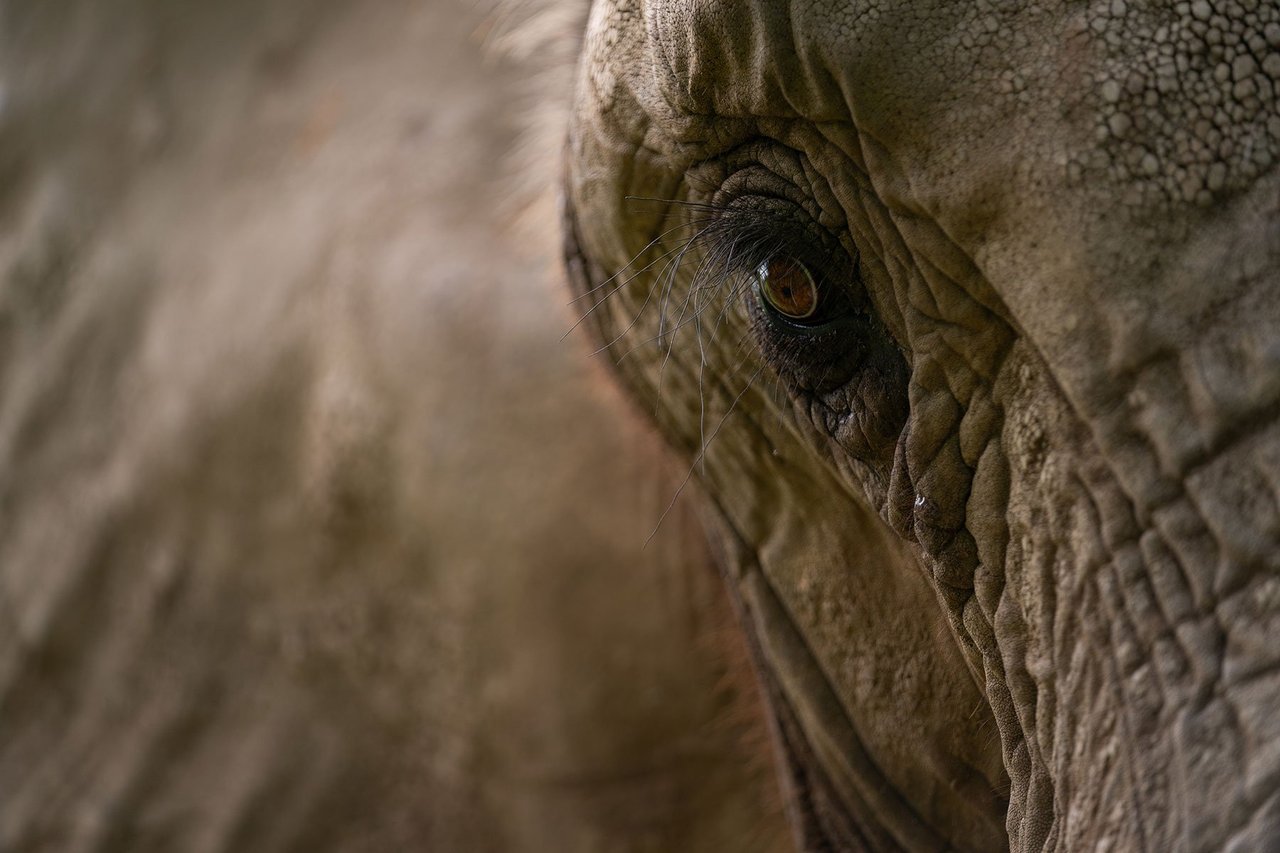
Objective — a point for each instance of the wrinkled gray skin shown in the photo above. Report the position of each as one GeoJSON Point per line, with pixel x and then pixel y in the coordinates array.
{"type": "Point", "coordinates": [1011, 568]}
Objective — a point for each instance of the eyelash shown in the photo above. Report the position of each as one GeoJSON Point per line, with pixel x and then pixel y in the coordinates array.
{"type": "Point", "coordinates": [740, 241]}
{"type": "Point", "coordinates": [736, 240]}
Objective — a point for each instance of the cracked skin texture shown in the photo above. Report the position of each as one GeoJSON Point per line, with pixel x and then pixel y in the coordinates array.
{"type": "Point", "coordinates": [1041, 614]}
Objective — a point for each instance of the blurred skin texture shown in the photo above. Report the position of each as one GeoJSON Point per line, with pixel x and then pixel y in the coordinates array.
{"type": "Point", "coordinates": [314, 534]}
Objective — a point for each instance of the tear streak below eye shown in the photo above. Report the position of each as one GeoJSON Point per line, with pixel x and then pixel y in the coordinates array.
{"type": "Point", "coordinates": [788, 288]}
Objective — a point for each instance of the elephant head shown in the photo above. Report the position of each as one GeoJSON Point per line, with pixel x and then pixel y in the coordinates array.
{"type": "Point", "coordinates": [966, 319]}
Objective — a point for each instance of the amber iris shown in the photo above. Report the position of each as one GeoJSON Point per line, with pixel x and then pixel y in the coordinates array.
{"type": "Point", "coordinates": [788, 288]}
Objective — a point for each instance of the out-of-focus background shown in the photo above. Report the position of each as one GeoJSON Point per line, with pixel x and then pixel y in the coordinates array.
{"type": "Point", "coordinates": [314, 533]}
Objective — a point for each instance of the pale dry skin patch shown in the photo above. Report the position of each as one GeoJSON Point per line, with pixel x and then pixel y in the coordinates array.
{"type": "Point", "coordinates": [314, 535]}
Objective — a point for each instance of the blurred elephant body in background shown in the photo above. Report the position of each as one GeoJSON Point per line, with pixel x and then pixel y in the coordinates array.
{"type": "Point", "coordinates": [968, 317]}
{"type": "Point", "coordinates": [312, 534]}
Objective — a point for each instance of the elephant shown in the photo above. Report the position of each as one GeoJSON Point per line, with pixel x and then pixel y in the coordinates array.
{"type": "Point", "coordinates": [965, 320]}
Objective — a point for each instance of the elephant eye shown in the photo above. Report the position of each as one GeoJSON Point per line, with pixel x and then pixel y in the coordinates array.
{"type": "Point", "coordinates": [795, 276]}
{"type": "Point", "coordinates": [787, 287]}
{"type": "Point", "coordinates": [794, 298]}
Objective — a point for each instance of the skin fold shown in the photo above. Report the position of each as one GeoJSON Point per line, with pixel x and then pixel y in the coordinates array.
{"type": "Point", "coordinates": [1006, 541]}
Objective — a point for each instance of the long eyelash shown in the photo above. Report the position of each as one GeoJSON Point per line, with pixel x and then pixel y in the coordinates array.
{"type": "Point", "coordinates": [625, 269]}
{"type": "Point", "coordinates": [730, 243]}
{"type": "Point", "coordinates": [733, 240]}
{"type": "Point", "coordinates": [702, 452]}
{"type": "Point", "coordinates": [717, 238]}
{"type": "Point", "coordinates": [719, 232]}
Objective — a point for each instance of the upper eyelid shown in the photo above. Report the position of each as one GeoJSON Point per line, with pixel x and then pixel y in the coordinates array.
{"type": "Point", "coordinates": [755, 231]}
